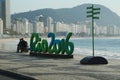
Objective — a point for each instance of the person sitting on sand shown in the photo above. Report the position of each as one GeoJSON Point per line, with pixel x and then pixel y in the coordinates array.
{"type": "Point", "coordinates": [22, 46]}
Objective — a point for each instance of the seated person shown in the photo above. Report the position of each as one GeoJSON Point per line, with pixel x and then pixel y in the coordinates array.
{"type": "Point", "coordinates": [22, 46]}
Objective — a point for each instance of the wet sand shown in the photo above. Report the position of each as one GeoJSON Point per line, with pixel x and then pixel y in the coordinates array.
{"type": "Point", "coordinates": [10, 44]}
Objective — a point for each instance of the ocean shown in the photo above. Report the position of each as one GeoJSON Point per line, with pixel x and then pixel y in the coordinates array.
{"type": "Point", "coordinates": [106, 47]}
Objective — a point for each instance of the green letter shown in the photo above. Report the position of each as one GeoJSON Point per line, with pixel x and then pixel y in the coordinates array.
{"type": "Point", "coordinates": [33, 41]}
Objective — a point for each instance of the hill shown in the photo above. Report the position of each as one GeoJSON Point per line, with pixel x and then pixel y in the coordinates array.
{"type": "Point", "coordinates": [73, 15]}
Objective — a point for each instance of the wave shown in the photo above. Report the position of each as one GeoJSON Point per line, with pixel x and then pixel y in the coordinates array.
{"type": "Point", "coordinates": [106, 54]}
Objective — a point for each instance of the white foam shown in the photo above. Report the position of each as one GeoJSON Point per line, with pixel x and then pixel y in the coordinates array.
{"type": "Point", "coordinates": [88, 52]}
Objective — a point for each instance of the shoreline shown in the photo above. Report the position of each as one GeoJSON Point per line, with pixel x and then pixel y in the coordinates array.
{"type": "Point", "coordinates": [63, 37]}
{"type": "Point", "coordinates": [11, 44]}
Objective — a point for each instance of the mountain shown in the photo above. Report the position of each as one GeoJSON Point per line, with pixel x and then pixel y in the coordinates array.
{"type": "Point", "coordinates": [72, 15]}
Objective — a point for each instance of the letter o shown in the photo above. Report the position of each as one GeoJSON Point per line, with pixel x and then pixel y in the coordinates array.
{"type": "Point", "coordinates": [44, 46]}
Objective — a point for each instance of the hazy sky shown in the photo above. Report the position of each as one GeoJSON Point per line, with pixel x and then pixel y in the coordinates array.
{"type": "Point", "coordinates": [27, 5]}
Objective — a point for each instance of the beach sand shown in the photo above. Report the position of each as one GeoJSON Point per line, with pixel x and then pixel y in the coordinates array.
{"type": "Point", "coordinates": [58, 69]}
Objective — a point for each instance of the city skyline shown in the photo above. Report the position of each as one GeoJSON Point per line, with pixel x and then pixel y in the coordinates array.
{"type": "Point", "coordinates": [24, 27]}
{"type": "Point", "coordinates": [21, 6]}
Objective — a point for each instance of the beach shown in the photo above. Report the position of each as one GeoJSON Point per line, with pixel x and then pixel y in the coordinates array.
{"type": "Point", "coordinates": [57, 69]}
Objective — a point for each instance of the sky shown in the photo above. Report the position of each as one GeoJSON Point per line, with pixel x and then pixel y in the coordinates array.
{"type": "Point", "coordinates": [27, 5]}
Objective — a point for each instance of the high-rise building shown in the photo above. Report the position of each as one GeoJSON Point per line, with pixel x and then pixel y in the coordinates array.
{"type": "Point", "coordinates": [50, 24]}
{"type": "Point", "coordinates": [40, 24]}
{"type": "Point", "coordinates": [19, 25]}
{"type": "Point", "coordinates": [5, 14]}
{"type": "Point", "coordinates": [25, 26]}
{"type": "Point", "coordinates": [30, 27]}
{"type": "Point", "coordinates": [1, 26]}
{"type": "Point", "coordinates": [54, 27]}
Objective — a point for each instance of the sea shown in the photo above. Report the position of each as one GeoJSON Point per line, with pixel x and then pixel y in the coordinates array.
{"type": "Point", "coordinates": [104, 46]}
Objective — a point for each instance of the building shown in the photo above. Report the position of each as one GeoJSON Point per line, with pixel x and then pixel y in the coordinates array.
{"type": "Point", "coordinates": [110, 30]}
{"type": "Point", "coordinates": [81, 28]}
{"type": "Point", "coordinates": [19, 26]}
{"type": "Point", "coordinates": [1, 26]}
{"type": "Point", "coordinates": [38, 27]}
{"type": "Point", "coordinates": [73, 28]}
{"type": "Point", "coordinates": [25, 26]}
{"type": "Point", "coordinates": [50, 24]}
{"type": "Point", "coordinates": [30, 28]}
{"type": "Point", "coordinates": [40, 18]}
{"type": "Point", "coordinates": [22, 26]}
{"type": "Point", "coordinates": [61, 27]}
{"type": "Point", "coordinates": [54, 27]}
{"type": "Point", "coordinates": [5, 14]}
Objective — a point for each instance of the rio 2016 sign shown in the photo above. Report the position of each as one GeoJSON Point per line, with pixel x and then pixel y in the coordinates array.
{"type": "Point", "coordinates": [56, 46]}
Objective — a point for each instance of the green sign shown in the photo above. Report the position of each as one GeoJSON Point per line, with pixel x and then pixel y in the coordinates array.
{"type": "Point", "coordinates": [91, 13]}
{"type": "Point", "coordinates": [55, 46]}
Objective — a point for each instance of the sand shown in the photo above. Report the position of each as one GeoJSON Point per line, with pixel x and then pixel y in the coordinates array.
{"type": "Point", "coordinates": [58, 69]}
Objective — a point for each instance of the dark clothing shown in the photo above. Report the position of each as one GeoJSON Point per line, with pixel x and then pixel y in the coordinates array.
{"type": "Point", "coordinates": [23, 46]}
